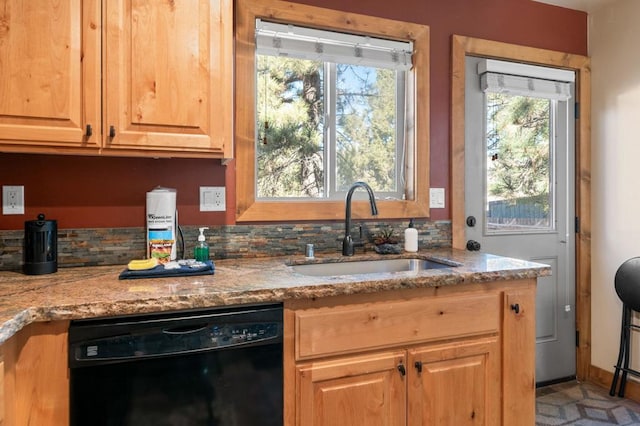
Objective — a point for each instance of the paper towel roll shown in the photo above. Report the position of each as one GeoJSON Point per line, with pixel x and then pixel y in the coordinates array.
{"type": "Point", "coordinates": [161, 224]}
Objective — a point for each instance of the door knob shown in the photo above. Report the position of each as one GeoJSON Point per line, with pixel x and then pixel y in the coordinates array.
{"type": "Point", "coordinates": [471, 221]}
{"type": "Point", "coordinates": [473, 245]}
{"type": "Point", "coordinates": [515, 308]}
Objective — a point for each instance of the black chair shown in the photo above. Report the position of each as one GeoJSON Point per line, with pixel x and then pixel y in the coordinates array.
{"type": "Point", "coordinates": [627, 283]}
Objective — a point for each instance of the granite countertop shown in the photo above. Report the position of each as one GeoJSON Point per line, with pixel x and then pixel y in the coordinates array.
{"type": "Point", "coordinates": [74, 293]}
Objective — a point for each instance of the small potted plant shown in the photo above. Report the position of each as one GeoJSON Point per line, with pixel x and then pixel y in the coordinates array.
{"type": "Point", "coordinates": [386, 242]}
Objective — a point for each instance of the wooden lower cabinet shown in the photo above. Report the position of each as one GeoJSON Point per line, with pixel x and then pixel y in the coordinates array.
{"type": "Point", "coordinates": [519, 356]}
{"type": "Point", "coordinates": [364, 390]}
{"type": "Point", "coordinates": [1, 388]}
{"type": "Point", "coordinates": [455, 384]}
{"type": "Point", "coordinates": [339, 371]}
{"type": "Point", "coordinates": [36, 381]}
{"type": "Point", "coordinates": [396, 388]}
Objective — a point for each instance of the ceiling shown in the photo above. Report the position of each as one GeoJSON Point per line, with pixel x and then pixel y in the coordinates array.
{"type": "Point", "coordinates": [584, 5]}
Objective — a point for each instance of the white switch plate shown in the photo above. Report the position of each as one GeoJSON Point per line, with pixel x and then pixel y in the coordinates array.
{"type": "Point", "coordinates": [12, 199]}
{"type": "Point", "coordinates": [436, 198]}
{"type": "Point", "coordinates": [212, 199]}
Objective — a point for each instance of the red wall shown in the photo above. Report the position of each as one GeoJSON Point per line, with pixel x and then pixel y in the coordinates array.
{"type": "Point", "coordinates": [84, 192]}
{"type": "Point", "coordinates": [94, 192]}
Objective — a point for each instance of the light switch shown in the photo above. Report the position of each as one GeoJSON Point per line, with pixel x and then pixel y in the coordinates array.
{"type": "Point", "coordinates": [436, 198]}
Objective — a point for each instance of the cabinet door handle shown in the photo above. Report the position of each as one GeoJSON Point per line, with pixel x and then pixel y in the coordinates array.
{"type": "Point", "coordinates": [89, 131]}
{"type": "Point", "coordinates": [515, 308]}
{"type": "Point", "coordinates": [112, 131]}
{"type": "Point", "coordinates": [418, 366]}
{"type": "Point", "coordinates": [401, 369]}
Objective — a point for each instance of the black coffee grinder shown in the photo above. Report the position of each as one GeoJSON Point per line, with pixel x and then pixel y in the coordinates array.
{"type": "Point", "coordinates": [40, 246]}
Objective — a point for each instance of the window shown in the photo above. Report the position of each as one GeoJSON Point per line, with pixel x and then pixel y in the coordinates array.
{"type": "Point", "coordinates": [330, 112]}
{"type": "Point", "coordinates": [321, 104]}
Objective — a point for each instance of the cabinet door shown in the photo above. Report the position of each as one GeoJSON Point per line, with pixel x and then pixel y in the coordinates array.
{"type": "Point", "coordinates": [49, 75]}
{"type": "Point", "coordinates": [519, 336]}
{"type": "Point", "coordinates": [168, 77]}
{"type": "Point", "coordinates": [2, 393]}
{"type": "Point", "coordinates": [367, 390]}
{"type": "Point", "coordinates": [455, 384]}
{"type": "Point", "coordinates": [36, 379]}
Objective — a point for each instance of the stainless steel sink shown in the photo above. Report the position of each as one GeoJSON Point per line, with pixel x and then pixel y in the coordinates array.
{"type": "Point", "coordinates": [368, 267]}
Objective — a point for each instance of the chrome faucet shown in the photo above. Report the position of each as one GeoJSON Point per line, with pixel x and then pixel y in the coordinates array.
{"type": "Point", "coordinates": [348, 246]}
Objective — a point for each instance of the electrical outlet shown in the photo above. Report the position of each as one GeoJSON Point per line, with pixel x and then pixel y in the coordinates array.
{"type": "Point", "coordinates": [12, 199]}
{"type": "Point", "coordinates": [212, 199]}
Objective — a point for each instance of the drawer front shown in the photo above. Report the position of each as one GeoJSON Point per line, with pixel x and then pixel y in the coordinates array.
{"type": "Point", "coordinates": [342, 329]}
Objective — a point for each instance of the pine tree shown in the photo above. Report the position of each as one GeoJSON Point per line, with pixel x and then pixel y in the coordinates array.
{"type": "Point", "coordinates": [290, 122]}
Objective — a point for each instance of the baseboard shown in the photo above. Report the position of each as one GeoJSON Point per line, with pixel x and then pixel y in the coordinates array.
{"type": "Point", "coordinates": [603, 378]}
{"type": "Point", "coordinates": [555, 381]}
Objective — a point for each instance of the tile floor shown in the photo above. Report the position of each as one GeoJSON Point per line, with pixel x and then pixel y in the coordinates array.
{"type": "Point", "coordinates": [583, 404]}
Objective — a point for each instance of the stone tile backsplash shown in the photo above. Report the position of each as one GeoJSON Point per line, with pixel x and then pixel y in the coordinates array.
{"type": "Point", "coordinates": [114, 246]}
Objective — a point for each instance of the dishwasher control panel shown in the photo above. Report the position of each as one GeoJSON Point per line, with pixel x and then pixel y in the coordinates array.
{"type": "Point", "coordinates": [231, 335]}
{"type": "Point", "coordinates": [159, 338]}
{"type": "Point", "coordinates": [177, 340]}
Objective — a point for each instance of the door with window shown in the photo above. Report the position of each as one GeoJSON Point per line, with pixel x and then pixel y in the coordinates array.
{"type": "Point", "coordinates": [519, 188]}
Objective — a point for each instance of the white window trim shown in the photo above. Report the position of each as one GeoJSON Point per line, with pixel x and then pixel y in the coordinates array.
{"type": "Point", "coordinates": [518, 79]}
{"type": "Point", "coordinates": [331, 46]}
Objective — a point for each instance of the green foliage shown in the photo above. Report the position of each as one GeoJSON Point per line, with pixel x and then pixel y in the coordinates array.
{"type": "Point", "coordinates": [291, 120]}
{"type": "Point", "coordinates": [518, 146]}
{"type": "Point", "coordinates": [290, 112]}
{"type": "Point", "coordinates": [366, 145]}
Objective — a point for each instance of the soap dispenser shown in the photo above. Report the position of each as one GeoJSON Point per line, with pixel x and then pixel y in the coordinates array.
{"type": "Point", "coordinates": [201, 251]}
{"type": "Point", "coordinates": [411, 238]}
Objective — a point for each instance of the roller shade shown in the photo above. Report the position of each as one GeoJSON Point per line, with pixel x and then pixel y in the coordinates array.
{"type": "Point", "coordinates": [525, 80]}
{"type": "Point", "coordinates": [330, 46]}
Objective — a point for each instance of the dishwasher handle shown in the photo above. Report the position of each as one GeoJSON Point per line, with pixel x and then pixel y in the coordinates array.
{"type": "Point", "coordinates": [195, 328]}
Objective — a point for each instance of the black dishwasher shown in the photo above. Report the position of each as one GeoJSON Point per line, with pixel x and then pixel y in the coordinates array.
{"type": "Point", "coordinates": [216, 367]}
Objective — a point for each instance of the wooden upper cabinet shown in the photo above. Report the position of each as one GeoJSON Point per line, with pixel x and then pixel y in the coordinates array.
{"type": "Point", "coordinates": [159, 73]}
{"type": "Point", "coordinates": [49, 74]}
{"type": "Point", "coordinates": [168, 76]}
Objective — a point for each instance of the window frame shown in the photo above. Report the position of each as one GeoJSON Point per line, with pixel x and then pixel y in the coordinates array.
{"type": "Point", "coordinates": [250, 209]}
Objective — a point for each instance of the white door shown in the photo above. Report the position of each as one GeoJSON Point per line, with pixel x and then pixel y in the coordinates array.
{"type": "Point", "coordinates": [519, 193]}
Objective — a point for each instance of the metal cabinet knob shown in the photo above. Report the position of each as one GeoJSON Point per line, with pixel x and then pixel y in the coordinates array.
{"type": "Point", "coordinates": [401, 369]}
